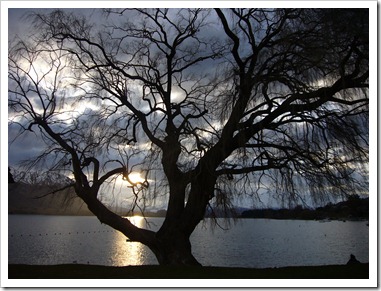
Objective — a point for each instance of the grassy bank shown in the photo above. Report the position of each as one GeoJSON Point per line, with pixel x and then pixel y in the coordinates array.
{"type": "Point", "coordinates": [77, 271]}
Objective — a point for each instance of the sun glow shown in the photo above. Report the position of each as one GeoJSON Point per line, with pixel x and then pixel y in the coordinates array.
{"type": "Point", "coordinates": [135, 178]}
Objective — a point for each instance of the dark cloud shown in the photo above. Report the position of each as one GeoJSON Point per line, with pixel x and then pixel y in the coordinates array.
{"type": "Point", "coordinates": [20, 25]}
{"type": "Point", "coordinates": [22, 147]}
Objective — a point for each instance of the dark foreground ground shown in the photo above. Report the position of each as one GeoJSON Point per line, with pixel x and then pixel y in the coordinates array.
{"type": "Point", "coordinates": [76, 271]}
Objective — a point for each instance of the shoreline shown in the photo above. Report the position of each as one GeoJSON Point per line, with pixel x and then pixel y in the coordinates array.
{"type": "Point", "coordinates": [80, 271]}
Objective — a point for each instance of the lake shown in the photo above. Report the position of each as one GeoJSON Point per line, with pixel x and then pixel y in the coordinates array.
{"type": "Point", "coordinates": [256, 243]}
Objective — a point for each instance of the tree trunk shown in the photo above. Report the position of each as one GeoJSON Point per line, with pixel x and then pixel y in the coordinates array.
{"type": "Point", "coordinates": [174, 249]}
{"type": "Point", "coordinates": [173, 245]}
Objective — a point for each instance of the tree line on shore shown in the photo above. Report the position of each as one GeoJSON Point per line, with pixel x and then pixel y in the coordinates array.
{"type": "Point", "coordinates": [353, 208]}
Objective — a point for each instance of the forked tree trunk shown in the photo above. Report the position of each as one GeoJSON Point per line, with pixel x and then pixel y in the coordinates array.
{"type": "Point", "coordinates": [173, 245]}
{"type": "Point", "coordinates": [176, 251]}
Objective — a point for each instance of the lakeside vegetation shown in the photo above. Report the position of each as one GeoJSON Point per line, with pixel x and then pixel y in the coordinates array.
{"type": "Point", "coordinates": [355, 208]}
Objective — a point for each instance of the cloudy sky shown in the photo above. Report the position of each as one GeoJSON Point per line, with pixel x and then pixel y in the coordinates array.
{"type": "Point", "coordinates": [19, 26]}
{"type": "Point", "coordinates": [27, 145]}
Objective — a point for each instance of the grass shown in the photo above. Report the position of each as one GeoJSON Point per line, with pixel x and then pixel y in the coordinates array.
{"type": "Point", "coordinates": [78, 271]}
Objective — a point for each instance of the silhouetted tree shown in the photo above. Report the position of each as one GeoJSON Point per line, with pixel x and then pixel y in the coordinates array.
{"type": "Point", "coordinates": [207, 104]}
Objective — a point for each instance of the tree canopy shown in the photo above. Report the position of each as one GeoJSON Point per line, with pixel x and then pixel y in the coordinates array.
{"type": "Point", "coordinates": [207, 104]}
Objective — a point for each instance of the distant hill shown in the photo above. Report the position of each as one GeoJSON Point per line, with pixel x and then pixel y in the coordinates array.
{"type": "Point", "coordinates": [354, 208]}
{"type": "Point", "coordinates": [22, 200]}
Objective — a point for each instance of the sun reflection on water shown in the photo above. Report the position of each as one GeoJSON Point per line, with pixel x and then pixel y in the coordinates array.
{"type": "Point", "coordinates": [137, 220]}
{"type": "Point", "coordinates": [129, 252]}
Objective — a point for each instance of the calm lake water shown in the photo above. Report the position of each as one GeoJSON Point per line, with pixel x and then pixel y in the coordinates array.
{"type": "Point", "coordinates": [257, 243]}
